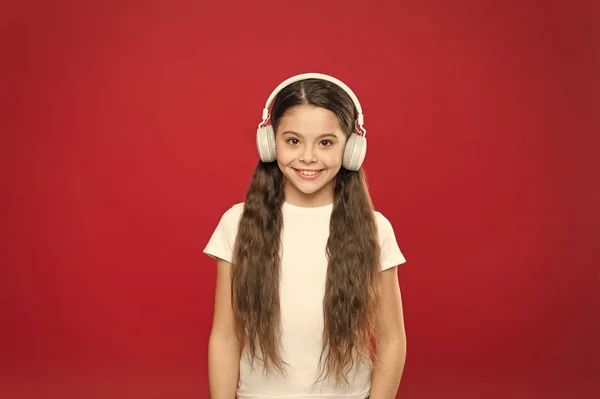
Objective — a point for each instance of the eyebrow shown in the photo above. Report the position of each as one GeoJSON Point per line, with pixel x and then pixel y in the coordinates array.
{"type": "Point", "coordinates": [321, 136]}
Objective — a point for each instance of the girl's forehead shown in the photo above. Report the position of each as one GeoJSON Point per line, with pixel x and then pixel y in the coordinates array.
{"type": "Point", "coordinates": [309, 121]}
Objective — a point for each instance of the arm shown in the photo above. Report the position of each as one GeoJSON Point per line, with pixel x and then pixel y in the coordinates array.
{"type": "Point", "coordinates": [223, 346]}
{"type": "Point", "coordinates": [391, 339]}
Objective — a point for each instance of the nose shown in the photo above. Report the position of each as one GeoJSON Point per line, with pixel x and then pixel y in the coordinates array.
{"type": "Point", "coordinates": [308, 155]}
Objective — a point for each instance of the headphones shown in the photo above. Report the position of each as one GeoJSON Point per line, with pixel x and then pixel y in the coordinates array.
{"type": "Point", "coordinates": [356, 145]}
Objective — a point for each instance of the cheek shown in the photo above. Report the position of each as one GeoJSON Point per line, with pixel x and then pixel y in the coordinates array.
{"type": "Point", "coordinates": [281, 148]}
{"type": "Point", "coordinates": [284, 155]}
{"type": "Point", "coordinates": [334, 157]}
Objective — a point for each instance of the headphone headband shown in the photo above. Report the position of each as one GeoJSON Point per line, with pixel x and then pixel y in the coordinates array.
{"type": "Point", "coordinates": [293, 79]}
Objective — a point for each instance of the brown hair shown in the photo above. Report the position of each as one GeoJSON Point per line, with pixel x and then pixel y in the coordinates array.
{"type": "Point", "coordinates": [352, 285]}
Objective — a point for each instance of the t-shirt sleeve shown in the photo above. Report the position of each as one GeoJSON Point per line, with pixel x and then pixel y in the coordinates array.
{"type": "Point", "coordinates": [222, 242]}
{"type": "Point", "coordinates": [391, 255]}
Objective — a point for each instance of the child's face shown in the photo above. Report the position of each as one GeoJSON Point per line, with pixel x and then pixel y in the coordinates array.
{"type": "Point", "coordinates": [310, 149]}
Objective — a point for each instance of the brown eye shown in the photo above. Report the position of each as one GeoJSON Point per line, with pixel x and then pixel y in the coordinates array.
{"type": "Point", "coordinates": [292, 141]}
{"type": "Point", "coordinates": [326, 143]}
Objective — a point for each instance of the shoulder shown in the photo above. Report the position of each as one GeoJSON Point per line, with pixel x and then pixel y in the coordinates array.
{"type": "Point", "coordinates": [221, 243]}
{"type": "Point", "coordinates": [235, 211]}
{"type": "Point", "coordinates": [230, 218]}
{"type": "Point", "coordinates": [391, 255]}
{"type": "Point", "coordinates": [383, 224]}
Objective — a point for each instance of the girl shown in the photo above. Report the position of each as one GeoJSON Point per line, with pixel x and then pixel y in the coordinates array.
{"type": "Point", "coordinates": [307, 300]}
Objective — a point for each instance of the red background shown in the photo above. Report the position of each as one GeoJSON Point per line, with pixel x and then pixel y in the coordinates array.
{"type": "Point", "coordinates": [128, 129]}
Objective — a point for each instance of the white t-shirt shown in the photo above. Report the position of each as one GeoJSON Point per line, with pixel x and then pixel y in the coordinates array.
{"type": "Point", "coordinates": [302, 286]}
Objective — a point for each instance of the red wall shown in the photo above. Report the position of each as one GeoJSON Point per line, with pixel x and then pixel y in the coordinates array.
{"type": "Point", "coordinates": [128, 128]}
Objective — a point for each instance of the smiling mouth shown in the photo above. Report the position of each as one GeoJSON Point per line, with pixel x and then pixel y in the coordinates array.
{"type": "Point", "coordinates": [308, 174]}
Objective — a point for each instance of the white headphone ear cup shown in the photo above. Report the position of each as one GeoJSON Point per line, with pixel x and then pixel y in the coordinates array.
{"type": "Point", "coordinates": [265, 144]}
{"type": "Point", "coordinates": [355, 152]}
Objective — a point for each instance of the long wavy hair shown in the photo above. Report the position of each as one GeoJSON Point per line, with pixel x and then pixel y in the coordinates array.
{"type": "Point", "coordinates": [353, 253]}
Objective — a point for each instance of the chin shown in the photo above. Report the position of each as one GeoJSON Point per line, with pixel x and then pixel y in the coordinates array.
{"type": "Point", "coordinates": [308, 186]}
{"type": "Point", "coordinates": [309, 191]}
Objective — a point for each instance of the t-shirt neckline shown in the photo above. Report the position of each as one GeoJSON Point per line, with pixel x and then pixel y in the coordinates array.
{"type": "Point", "coordinates": [304, 209]}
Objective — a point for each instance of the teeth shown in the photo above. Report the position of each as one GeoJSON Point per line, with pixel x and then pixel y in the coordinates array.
{"type": "Point", "coordinates": [308, 173]}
